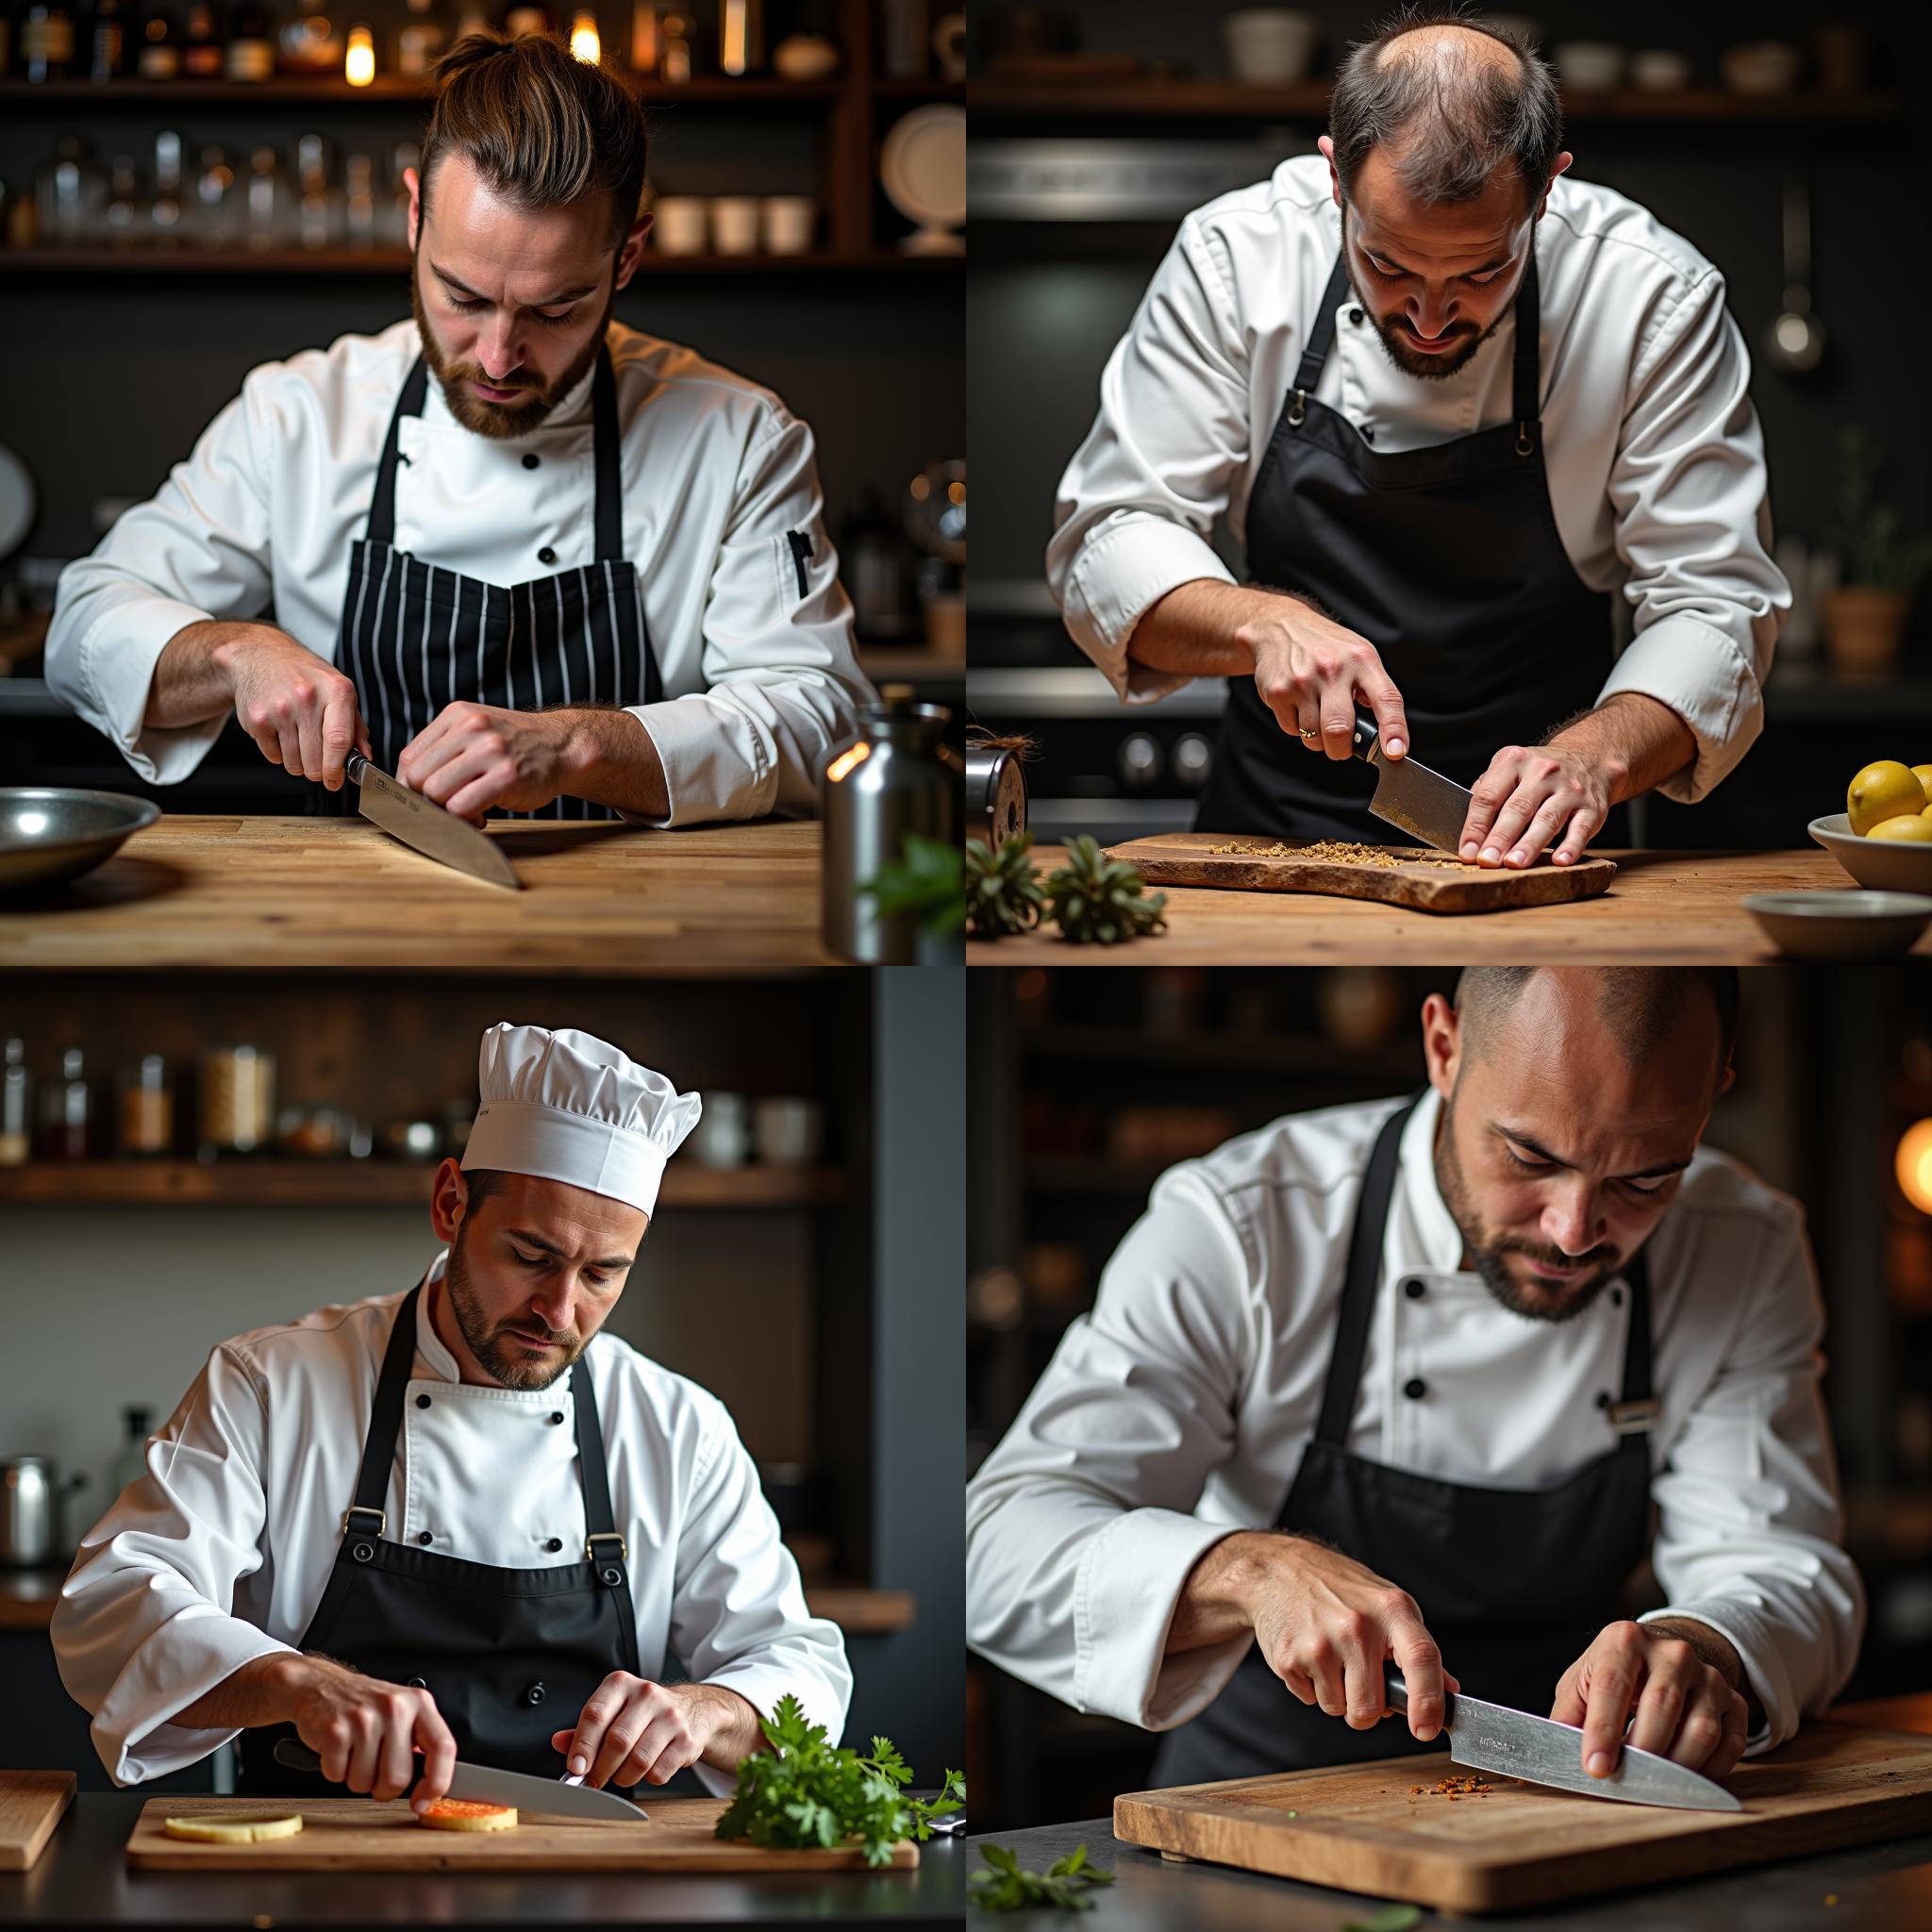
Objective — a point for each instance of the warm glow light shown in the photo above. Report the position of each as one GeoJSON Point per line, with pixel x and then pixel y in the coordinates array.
{"type": "Point", "coordinates": [358, 64]}
{"type": "Point", "coordinates": [1914, 1166]}
{"type": "Point", "coordinates": [583, 38]}
{"type": "Point", "coordinates": [731, 57]}
{"type": "Point", "coordinates": [848, 761]}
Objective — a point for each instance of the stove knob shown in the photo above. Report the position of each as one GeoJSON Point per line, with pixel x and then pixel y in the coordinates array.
{"type": "Point", "coordinates": [1192, 755]}
{"type": "Point", "coordinates": [1139, 762]}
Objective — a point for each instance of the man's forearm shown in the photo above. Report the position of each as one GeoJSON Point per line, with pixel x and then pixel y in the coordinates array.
{"type": "Point", "coordinates": [261, 1692]}
{"type": "Point", "coordinates": [739, 1733]}
{"type": "Point", "coordinates": [191, 682]}
{"type": "Point", "coordinates": [1192, 630]}
{"type": "Point", "coordinates": [1212, 1606]}
{"type": "Point", "coordinates": [609, 759]}
{"type": "Point", "coordinates": [1634, 739]}
{"type": "Point", "coordinates": [1717, 1650]}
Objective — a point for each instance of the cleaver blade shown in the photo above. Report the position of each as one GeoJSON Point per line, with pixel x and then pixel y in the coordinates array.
{"type": "Point", "coordinates": [1421, 802]}
{"type": "Point", "coordinates": [426, 827]}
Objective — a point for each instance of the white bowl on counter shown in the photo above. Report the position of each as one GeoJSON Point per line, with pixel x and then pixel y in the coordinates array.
{"type": "Point", "coordinates": [1841, 925]}
{"type": "Point", "coordinates": [1885, 865]}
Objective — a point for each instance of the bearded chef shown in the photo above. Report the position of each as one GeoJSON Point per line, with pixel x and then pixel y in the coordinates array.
{"type": "Point", "coordinates": [1404, 1383]}
{"type": "Point", "coordinates": [464, 1520]}
{"type": "Point", "coordinates": [520, 556]}
{"type": "Point", "coordinates": [1453, 404]}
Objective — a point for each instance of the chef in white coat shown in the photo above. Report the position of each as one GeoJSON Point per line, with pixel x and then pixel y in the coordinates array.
{"type": "Point", "coordinates": [1452, 402]}
{"type": "Point", "coordinates": [1405, 1383]}
{"type": "Point", "coordinates": [463, 1521]}
{"type": "Point", "coordinates": [581, 572]}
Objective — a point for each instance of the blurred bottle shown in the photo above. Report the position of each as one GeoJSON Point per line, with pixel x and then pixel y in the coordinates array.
{"type": "Point", "coordinates": [46, 42]}
{"type": "Point", "coordinates": [677, 38]}
{"type": "Point", "coordinates": [908, 39]}
{"type": "Point", "coordinates": [267, 218]}
{"type": "Point", "coordinates": [70, 194]}
{"type": "Point", "coordinates": [70, 1121]}
{"type": "Point", "coordinates": [16, 1104]}
{"type": "Point", "coordinates": [310, 44]}
{"type": "Point", "coordinates": [250, 55]}
{"type": "Point", "coordinates": [358, 201]}
{"type": "Point", "coordinates": [130, 1460]}
{"type": "Point", "coordinates": [121, 221]}
{"type": "Point", "coordinates": [147, 1110]}
{"type": "Point", "coordinates": [108, 41]}
{"type": "Point", "coordinates": [201, 51]}
{"type": "Point", "coordinates": [215, 200]}
{"type": "Point", "coordinates": [422, 37]}
{"type": "Point", "coordinates": [317, 213]}
{"type": "Point", "coordinates": [160, 46]}
{"type": "Point", "coordinates": [164, 212]}
{"type": "Point", "coordinates": [740, 37]}
{"type": "Point", "coordinates": [644, 39]}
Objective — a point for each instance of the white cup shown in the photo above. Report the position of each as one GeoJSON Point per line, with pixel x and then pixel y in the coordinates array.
{"type": "Point", "coordinates": [1660, 70]}
{"type": "Point", "coordinates": [1589, 67]}
{"type": "Point", "coordinates": [723, 1135]}
{"type": "Point", "coordinates": [1269, 46]}
{"type": "Point", "coordinates": [790, 223]}
{"type": "Point", "coordinates": [735, 224]}
{"type": "Point", "coordinates": [789, 1132]}
{"type": "Point", "coordinates": [679, 228]}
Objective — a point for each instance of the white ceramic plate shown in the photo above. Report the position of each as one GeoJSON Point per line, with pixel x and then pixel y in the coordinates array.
{"type": "Point", "coordinates": [16, 502]}
{"type": "Point", "coordinates": [1884, 865]}
{"type": "Point", "coordinates": [923, 166]}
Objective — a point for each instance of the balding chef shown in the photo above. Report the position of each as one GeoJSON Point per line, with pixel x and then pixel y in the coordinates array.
{"type": "Point", "coordinates": [1454, 403]}
{"type": "Point", "coordinates": [1423, 1382]}
{"type": "Point", "coordinates": [463, 1521]}
{"type": "Point", "coordinates": [521, 556]}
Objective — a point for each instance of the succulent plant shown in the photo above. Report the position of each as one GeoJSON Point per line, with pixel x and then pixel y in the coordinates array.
{"type": "Point", "coordinates": [1102, 901]}
{"type": "Point", "coordinates": [1003, 893]}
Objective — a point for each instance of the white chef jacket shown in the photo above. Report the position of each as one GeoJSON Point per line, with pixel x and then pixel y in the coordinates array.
{"type": "Point", "coordinates": [1654, 461]}
{"type": "Point", "coordinates": [760, 681]}
{"type": "Point", "coordinates": [220, 1552]}
{"type": "Point", "coordinates": [1179, 1410]}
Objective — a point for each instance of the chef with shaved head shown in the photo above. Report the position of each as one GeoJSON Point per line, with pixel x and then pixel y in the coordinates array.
{"type": "Point", "coordinates": [1454, 403]}
{"type": "Point", "coordinates": [1410, 1383]}
{"type": "Point", "coordinates": [467, 1521]}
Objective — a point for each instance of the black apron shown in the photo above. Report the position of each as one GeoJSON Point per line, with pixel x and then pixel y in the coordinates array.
{"type": "Point", "coordinates": [1447, 560]}
{"type": "Point", "coordinates": [509, 1655]}
{"type": "Point", "coordinates": [416, 638]}
{"type": "Point", "coordinates": [1513, 1584]}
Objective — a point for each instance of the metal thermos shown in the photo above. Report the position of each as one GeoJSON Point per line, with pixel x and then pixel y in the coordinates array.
{"type": "Point", "coordinates": [898, 775]}
{"type": "Point", "coordinates": [30, 1505]}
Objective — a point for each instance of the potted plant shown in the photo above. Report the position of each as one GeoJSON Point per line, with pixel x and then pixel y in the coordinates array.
{"type": "Point", "coordinates": [1865, 617]}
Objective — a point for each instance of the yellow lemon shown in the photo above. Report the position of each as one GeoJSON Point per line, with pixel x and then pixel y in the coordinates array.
{"type": "Point", "coordinates": [1910, 828]}
{"type": "Point", "coordinates": [1882, 791]}
{"type": "Point", "coordinates": [1924, 774]}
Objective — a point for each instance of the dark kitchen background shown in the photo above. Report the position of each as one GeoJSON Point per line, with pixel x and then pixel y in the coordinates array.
{"type": "Point", "coordinates": [121, 350]}
{"type": "Point", "coordinates": [219, 1156]}
{"type": "Point", "coordinates": [1098, 123]}
{"type": "Point", "coordinates": [1085, 1085]}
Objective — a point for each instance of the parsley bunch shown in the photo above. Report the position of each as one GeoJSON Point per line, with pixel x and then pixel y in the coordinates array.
{"type": "Point", "coordinates": [1008, 1888]}
{"type": "Point", "coordinates": [805, 1791]}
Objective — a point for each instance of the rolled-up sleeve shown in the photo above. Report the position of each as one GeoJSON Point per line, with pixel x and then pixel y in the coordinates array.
{"type": "Point", "coordinates": [199, 549]}
{"type": "Point", "coordinates": [784, 686]}
{"type": "Point", "coordinates": [1081, 1528]}
{"type": "Point", "coordinates": [1694, 530]}
{"type": "Point", "coordinates": [1141, 493]}
{"type": "Point", "coordinates": [143, 1624]}
{"type": "Point", "coordinates": [1749, 1534]}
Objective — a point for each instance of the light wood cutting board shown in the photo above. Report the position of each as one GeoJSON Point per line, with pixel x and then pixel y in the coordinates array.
{"type": "Point", "coordinates": [31, 1805]}
{"type": "Point", "coordinates": [1416, 880]}
{"type": "Point", "coordinates": [359, 1835]}
{"type": "Point", "coordinates": [1359, 1829]}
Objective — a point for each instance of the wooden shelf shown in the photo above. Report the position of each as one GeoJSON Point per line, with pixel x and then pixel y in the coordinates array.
{"type": "Point", "coordinates": [1267, 1054]}
{"type": "Point", "coordinates": [761, 90]}
{"type": "Point", "coordinates": [274, 1183]}
{"type": "Point", "coordinates": [391, 261]}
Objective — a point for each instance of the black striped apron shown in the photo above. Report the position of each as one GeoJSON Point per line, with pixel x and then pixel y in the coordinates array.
{"type": "Point", "coordinates": [416, 638]}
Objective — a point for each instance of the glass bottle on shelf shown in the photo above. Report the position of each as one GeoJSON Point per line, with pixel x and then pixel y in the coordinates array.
{"type": "Point", "coordinates": [46, 42]}
{"type": "Point", "coordinates": [160, 46]}
{"type": "Point", "coordinates": [130, 1461]}
{"type": "Point", "coordinates": [317, 222]}
{"type": "Point", "coordinates": [905, 39]}
{"type": "Point", "coordinates": [358, 201]}
{"type": "Point", "coordinates": [250, 55]}
{"type": "Point", "coordinates": [644, 39]}
{"type": "Point", "coordinates": [740, 37]}
{"type": "Point", "coordinates": [164, 212]}
{"type": "Point", "coordinates": [266, 211]}
{"type": "Point", "coordinates": [69, 1110]}
{"type": "Point", "coordinates": [70, 195]}
{"type": "Point", "coordinates": [147, 1110]}
{"type": "Point", "coordinates": [677, 36]}
{"type": "Point", "coordinates": [420, 39]}
{"type": "Point", "coordinates": [122, 220]}
{"type": "Point", "coordinates": [16, 1104]}
{"type": "Point", "coordinates": [214, 200]}
{"type": "Point", "coordinates": [108, 41]}
{"type": "Point", "coordinates": [310, 44]}
{"type": "Point", "coordinates": [201, 52]}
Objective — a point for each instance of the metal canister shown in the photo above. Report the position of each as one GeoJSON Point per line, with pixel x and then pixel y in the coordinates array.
{"type": "Point", "coordinates": [897, 776]}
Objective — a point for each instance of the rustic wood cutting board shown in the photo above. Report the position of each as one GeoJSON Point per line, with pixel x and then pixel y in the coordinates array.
{"type": "Point", "coordinates": [31, 1805]}
{"type": "Point", "coordinates": [1419, 880]}
{"type": "Point", "coordinates": [1359, 1827]}
{"type": "Point", "coordinates": [359, 1835]}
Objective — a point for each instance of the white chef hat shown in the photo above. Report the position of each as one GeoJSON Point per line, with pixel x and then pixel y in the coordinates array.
{"type": "Point", "coordinates": [568, 1106]}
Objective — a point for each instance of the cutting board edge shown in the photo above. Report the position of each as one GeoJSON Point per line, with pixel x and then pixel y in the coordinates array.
{"type": "Point", "coordinates": [26, 1857]}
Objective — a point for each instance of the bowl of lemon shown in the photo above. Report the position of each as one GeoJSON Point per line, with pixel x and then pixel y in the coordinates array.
{"type": "Point", "coordinates": [1882, 837]}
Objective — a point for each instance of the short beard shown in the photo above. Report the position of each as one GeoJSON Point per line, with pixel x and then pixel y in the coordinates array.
{"type": "Point", "coordinates": [1486, 1253]}
{"type": "Point", "coordinates": [499, 1354]}
{"type": "Point", "coordinates": [502, 421]}
{"type": "Point", "coordinates": [1414, 362]}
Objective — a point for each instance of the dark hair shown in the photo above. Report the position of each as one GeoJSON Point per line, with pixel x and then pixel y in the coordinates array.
{"type": "Point", "coordinates": [541, 128]}
{"type": "Point", "coordinates": [481, 1182]}
{"type": "Point", "coordinates": [1641, 1006]}
{"type": "Point", "coordinates": [1447, 117]}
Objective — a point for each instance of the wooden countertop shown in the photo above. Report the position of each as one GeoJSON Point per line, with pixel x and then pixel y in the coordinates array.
{"type": "Point", "coordinates": [226, 892]}
{"type": "Point", "coordinates": [1662, 908]}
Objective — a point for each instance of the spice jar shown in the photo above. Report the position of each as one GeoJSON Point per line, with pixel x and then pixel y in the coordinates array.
{"type": "Point", "coordinates": [238, 1100]}
{"type": "Point", "coordinates": [147, 1108]}
{"type": "Point", "coordinates": [16, 1092]}
{"type": "Point", "coordinates": [69, 1110]}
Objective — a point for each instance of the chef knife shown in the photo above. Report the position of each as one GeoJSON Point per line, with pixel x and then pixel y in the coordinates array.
{"type": "Point", "coordinates": [1489, 1737]}
{"type": "Point", "coordinates": [1423, 803]}
{"type": "Point", "coordinates": [424, 826]}
{"type": "Point", "coordinates": [565, 1797]}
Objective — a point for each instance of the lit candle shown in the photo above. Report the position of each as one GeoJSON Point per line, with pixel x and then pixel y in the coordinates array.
{"type": "Point", "coordinates": [583, 38]}
{"type": "Point", "coordinates": [358, 64]}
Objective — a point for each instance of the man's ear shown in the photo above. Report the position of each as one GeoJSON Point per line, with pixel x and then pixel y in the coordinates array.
{"type": "Point", "coordinates": [449, 1200]}
{"type": "Point", "coordinates": [1442, 1044]}
{"type": "Point", "coordinates": [1559, 166]}
{"type": "Point", "coordinates": [631, 254]}
{"type": "Point", "coordinates": [1328, 147]}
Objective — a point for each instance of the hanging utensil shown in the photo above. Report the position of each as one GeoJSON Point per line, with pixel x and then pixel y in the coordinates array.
{"type": "Point", "coordinates": [1795, 342]}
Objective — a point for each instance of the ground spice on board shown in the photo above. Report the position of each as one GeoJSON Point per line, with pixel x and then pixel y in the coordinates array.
{"type": "Point", "coordinates": [1345, 852]}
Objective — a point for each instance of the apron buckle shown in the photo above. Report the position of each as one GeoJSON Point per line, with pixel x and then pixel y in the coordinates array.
{"type": "Point", "coordinates": [1524, 445]}
{"type": "Point", "coordinates": [1633, 1418]}
{"type": "Point", "coordinates": [1298, 415]}
{"type": "Point", "coordinates": [605, 1536]}
{"type": "Point", "coordinates": [381, 1519]}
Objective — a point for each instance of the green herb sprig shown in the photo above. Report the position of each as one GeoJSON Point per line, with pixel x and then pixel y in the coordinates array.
{"type": "Point", "coordinates": [1007, 1887]}
{"type": "Point", "coordinates": [805, 1791]}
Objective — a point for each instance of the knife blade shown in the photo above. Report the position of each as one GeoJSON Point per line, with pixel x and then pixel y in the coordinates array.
{"type": "Point", "coordinates": [424, 826]}
{"type": "Point", "coordinates": [1423, 803]}
{"type": "Point", "coordinates": [481, 1784]}
{"type": "Point", "coordinates": [1490, 1737]}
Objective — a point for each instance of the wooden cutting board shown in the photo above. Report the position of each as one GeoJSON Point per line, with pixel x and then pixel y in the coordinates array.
{"type": "Point", "coordinates": [359, 1835]}
{"type": "Point", "coordinates": [31, 1805]}
{"type": "Point", "coordinates": [1421, 881]}
{"type": "Point", "coordinates": [1359, 1827]}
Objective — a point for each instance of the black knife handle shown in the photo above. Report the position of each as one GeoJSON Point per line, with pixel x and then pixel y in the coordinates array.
{"type": "Point", "coordinates": [296, 1756]}
{"type": "Point", "coordinates": [355, 765]}
{"type": "Point", "coordinates": [1367, 737]}
{"type": "Point", "coordinates": [1395, 1694]}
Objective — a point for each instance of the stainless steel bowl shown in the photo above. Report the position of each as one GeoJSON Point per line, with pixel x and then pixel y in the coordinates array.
{"type": "Point", "coordinates": [1841, 925]}
{"type": "Point", "coordinates": [53, 833]}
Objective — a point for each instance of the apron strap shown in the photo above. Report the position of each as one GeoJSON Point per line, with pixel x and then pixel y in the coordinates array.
{"type": "Point", "coordinates": [600, 1520]}
{"type": "Point", "coordinates": [1322, 331]}
{"type": "Point", "coordinates": [608, 447]}
{"type": "Point", "coordinates": [1635, 1411]}
{"type": "Point", "coordinates": [386, 1422]}
{"type": "Point", "coordinates": [382, 511]}
{"type": "Point", "coordinates": [1363, 1278]}
{"type": "Point", "coordinates": [1526, 393]}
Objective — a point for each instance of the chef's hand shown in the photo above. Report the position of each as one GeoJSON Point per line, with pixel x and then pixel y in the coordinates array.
{"type": "Point", "coordinates": [1323, 1624]}
{"type": "Point", "coordinates": [470, 757]}
{"type": "Point", "coordinates": [1311, 673]}
{"type": "Point", "coordinates": [300, 710]}
{"type": "Point", "coordinates": [367, 1732]}
{"type": "Point", "coordinates": [1680, 1679]}
{"type": "Point", "coordinates": [634, 1729]}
